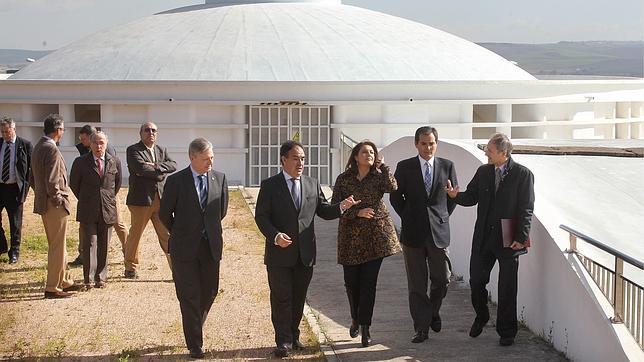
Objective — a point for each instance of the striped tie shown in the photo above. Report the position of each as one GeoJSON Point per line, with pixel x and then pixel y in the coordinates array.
{"type": "Point", "coordinates": [6, 160]}
{"type": "Point", "coordinates": [203, 193]}
{"type": "Point", "coordinates": [428, 178]}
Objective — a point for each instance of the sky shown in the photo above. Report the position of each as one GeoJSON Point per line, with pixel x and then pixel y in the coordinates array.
{"type": "Point", "coordinates": [51, 24]}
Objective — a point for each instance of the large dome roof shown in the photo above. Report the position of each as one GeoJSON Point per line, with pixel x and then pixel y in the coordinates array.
{"type": "Point", "coordinates": [319, 40]}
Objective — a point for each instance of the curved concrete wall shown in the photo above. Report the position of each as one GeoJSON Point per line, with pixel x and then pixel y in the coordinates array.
{"type": "Point", "coordinates": [557, 299]}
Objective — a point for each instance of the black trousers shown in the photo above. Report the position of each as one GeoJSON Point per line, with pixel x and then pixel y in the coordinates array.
{"type": "Point", "coordinates": [9, 201]}
{"type": "Point", "coordinates": [94, 237]}
{"type": "Point", "coordinates": [481, 264]}
{"type": "Point", "coordinates": [427, 263]}
{"type": "Point", "coordinates": [196, 283]}
{"type": "Point", "coordinates": [360, 282]}
{"type": "Point", "coordinates": [288, 293]}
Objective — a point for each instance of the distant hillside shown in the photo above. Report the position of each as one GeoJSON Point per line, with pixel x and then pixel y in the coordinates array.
{"type": "Point", "coordinates": [17, 58]}
{"type": "Point", "coordinates": [606, 58]}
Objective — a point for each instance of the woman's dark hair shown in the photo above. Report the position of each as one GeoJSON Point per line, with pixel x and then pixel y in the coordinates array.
{"type": "Point", "coordinates": [352, 163]}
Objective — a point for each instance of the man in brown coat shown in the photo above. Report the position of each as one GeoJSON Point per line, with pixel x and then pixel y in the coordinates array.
{"type": "Point", "coordinates": [51, 202]}
{"type": "Point", "coordinates": [95, 179]}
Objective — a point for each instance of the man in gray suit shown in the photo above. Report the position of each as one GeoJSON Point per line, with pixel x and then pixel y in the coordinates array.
{"type": "Point", "coordinates": [194, 202]}
{"type": "Point", "coordinates": [424, 209]}
{"type": "Point", "coordinates": [95, 179]}
{"type": "Point", "coordinates": [149, 164]}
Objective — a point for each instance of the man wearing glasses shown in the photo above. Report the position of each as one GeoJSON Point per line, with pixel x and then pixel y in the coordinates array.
{"type": "Point", "coordinates": [149, 164]}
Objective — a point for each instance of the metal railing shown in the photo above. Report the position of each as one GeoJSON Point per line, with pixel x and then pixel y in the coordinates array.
{"type": "Point", "coordinates": [626, 296]}
{"type": "Point", "coordinates": [346, 145]}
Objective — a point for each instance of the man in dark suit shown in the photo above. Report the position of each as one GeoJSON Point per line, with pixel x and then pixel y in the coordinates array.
{"type": "Point", "coordinates": [149, 164]}
{"type": "Point", "coordinates": [424, 209]}
{"type": "Point", "coordinates": [286, 207]}
{"type": "Point", "coordinates": [504, 191]}
{"type": "Point", "coordinates": [15, 167]}
{"type": "Point", "coordinates": [194, 202]}
{"type": "Point", "coordinates": [83, 147]}
{"type": "Point", "coordinates": [95, 179]}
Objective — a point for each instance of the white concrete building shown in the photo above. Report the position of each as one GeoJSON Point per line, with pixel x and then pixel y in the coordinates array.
{"type": "Point", "coordinates": [249, 74]}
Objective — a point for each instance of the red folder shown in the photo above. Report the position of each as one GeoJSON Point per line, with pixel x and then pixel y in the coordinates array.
{"type": "Point", "coordinates": [507, 229]}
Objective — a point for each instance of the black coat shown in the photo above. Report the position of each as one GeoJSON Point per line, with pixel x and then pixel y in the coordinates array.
{"type": "Point", "coordinates": [275, 212]}
{"type": "Point", "coordinates": [184, 218]}
{"type": "Point", "coordinates": [422, 214]}
{"type": "Point", "coordinates": [23, 166]}
{"type": "Point", "coordinates": [513, 200]}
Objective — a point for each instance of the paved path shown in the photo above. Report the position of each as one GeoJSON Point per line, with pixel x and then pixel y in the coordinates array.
{"type": "Point", "coordinates": [392, 327]}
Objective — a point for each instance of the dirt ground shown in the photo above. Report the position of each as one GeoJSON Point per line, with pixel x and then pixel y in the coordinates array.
{"type": "Point", "coordinates": [137, 319]}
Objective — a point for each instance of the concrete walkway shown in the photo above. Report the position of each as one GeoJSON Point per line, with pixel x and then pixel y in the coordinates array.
{"type": "Point", "coordinates": [392, 328]}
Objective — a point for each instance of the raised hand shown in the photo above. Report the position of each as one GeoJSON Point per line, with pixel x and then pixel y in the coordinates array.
{"type": "Point", "coordinates": [451, 191]}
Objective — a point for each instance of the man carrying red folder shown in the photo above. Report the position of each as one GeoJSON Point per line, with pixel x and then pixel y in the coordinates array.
{"type": "Point", "coordinates": [504, 192]}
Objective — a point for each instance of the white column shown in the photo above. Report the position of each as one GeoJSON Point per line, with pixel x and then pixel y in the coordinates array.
{"type": "Point", "coordinates": [69, 116]}
{"type": "Point", "coordinates": [466, 117]}
{"type": "Point", "coordinates": [504, 115]}
{"type": "Point", "coordinates": [622, 112]}
{"type": "Point", "coordinates": [637, 114]}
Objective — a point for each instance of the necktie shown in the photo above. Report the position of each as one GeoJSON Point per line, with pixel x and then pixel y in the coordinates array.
{"type": "Point", "coordinates": [151, 153]}
{"type": "Point", "coordinates": [428, 178]}
{"type": "Point", "coordinates": [6, 160]}
{"type": "Point", "coordinates": [295, 194]}
{"type": "Point", "coordinates": [99, 164]}
{"type": "Point", "coordinates": [203, 193]}
{"type": "Point", "coordinates": [497, 179]}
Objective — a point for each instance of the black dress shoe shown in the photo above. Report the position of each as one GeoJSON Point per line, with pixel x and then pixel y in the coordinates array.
{"type": "Point", "coordinates": [281, 351]}
{"type": "Point", "coordinates": [506, 341]}
{"type": "Point", "coordinates": [76, 262]}
{"type": "Point", "coordinates": [13, 259]}
{"type": "Point", "coordinates": [366, 336]}
{"type": "Point", "coordinates": [57, 295]}
{"type": "Point", "coordinates": [196, 353]}
{"type": "Point", "coordinates": [420, 336]}
{"type": "Point", "coordinates": [100, 285]}
{"type": "Point", "coordinates": [131, 274]}
{"type": "Point", "coordinates": [74, 288]}
{"type": "Point", "coordinates": [436, 324]}
{"type": "Point", "coordinates": [477, 328]}
{"type": "Point", "coordinates": [297, 345]}
{"type": "Point", "coordinates": [354, 328]}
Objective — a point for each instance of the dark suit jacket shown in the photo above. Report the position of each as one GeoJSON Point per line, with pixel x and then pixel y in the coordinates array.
{"type": "Point", "coordinates": [182, 215]}
{"type": "Point", "coordinates": [145, 180]}
{"type": "Point", "coordinates": [23, 166]}
{"type": "Point", "coordinates": [422, 214]}
{"type": "Point", "coordinates": [96, 195]}
{"type": "Point", "coordinates": [513, 200]}
{"type": "Point", "coordinates": [48, 177]}
{"type": "Point", "coordinates": [275, 212]}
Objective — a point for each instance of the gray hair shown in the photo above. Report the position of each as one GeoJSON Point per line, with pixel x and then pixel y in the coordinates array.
{"type": "Point", "coordinates": [7, 121]}
{"type": "Point", "coordinates": [199, 145]}
{"type": "Point", "coordinates": [97, 134]}
{"type": "Point", "coordinates": [502, 143]}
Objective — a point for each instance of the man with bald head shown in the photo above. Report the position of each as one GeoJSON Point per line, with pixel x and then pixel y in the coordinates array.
{"type": "Point", "coordinates": [149, 164]}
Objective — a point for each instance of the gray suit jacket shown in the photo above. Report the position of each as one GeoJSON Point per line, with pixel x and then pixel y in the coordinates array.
{"type": "Point", "coordinates": [49, 177]}
{"type": "Point", "coordinates": [145, 180]}
{"type": "Point", "coordinates": [422, 214]}
{"type": "Point", "coordinates": [183, 216]}
{"type": "Point", "coordinates": [96, 195]}
{"type": "Point", "coordinates": [275, 212]}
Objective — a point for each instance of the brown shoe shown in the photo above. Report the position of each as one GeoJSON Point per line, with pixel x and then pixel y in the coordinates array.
{"type": "Point", "coordinates": [74, 288]}
{"type": "Point", "coordinates": [100, 285]}
{"type": "Point", "coordinates": [57, 295]}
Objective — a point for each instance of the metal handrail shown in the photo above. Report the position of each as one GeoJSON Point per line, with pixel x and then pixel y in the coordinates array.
{"type": "Point", "coordinates": [598, 244]}
{"type": "Point", "coordinates": [625, 296]}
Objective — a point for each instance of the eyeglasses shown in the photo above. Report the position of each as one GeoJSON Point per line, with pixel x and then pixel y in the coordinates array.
{"type": "Point", "coordinates": [150, 130]}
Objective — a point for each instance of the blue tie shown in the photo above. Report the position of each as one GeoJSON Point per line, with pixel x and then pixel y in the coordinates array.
{"type": "Point", "coordinates": [428, 178]}
{"type": "Point", "coordinates": [203, 192]}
